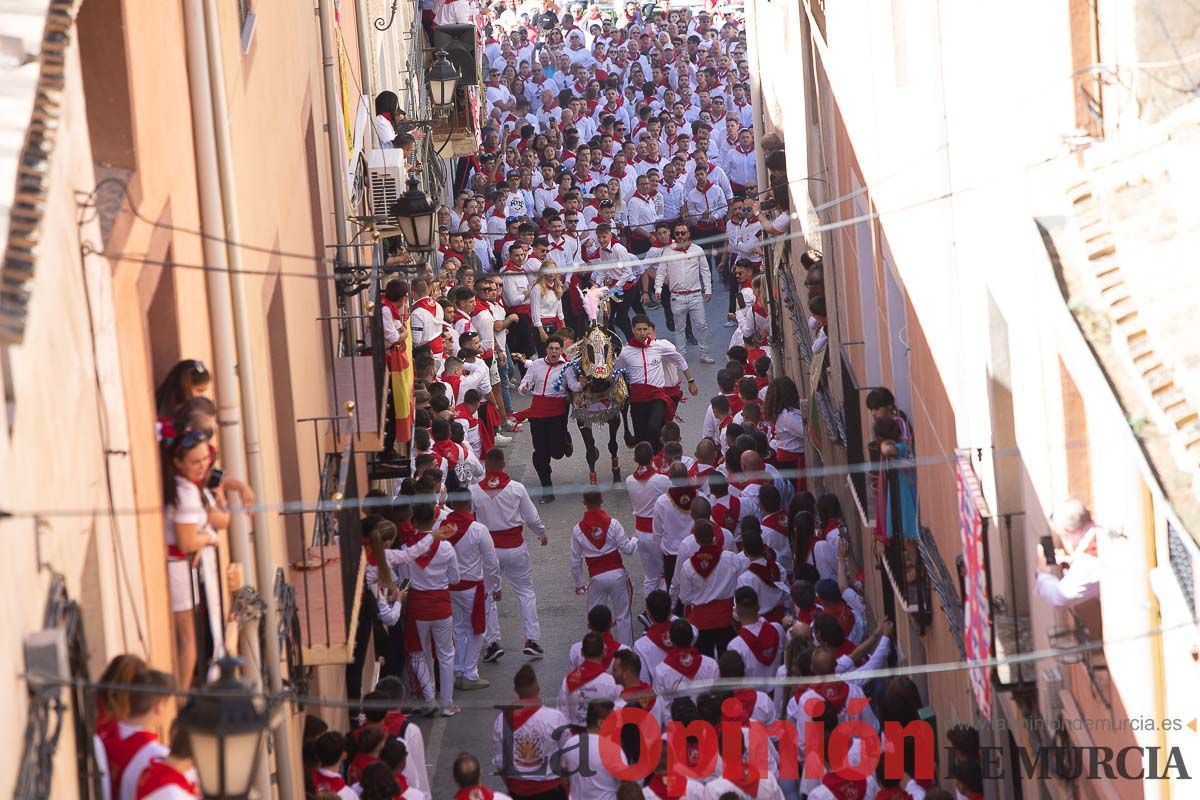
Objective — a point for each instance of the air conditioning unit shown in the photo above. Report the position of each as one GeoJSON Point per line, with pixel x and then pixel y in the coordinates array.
{"type": "Point", "coordinates": [386, 174]}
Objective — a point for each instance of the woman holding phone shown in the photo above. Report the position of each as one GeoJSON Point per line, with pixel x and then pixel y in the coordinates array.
{"type": "Point", "coordinates": [545, 304]}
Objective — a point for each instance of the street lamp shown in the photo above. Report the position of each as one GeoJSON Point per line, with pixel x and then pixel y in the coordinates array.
{"type": "Point", "coordinates": [225, 726]}
{"type": "Point", "coordinates": [443, 79]}
{"type": "Point", "coordinates": [415, 215]}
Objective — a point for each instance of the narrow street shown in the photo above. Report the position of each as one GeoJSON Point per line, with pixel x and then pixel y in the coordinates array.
{"type": "Point", "coordinates": [561, 612]}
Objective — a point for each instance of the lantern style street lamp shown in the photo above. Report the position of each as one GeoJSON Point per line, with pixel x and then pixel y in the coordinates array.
{"type": "Point", "coordinates": [443, 79]}
{"type": "Point", "coordinates": [415, 215]}
{"type": "Point", "coordinates": [226, 724]}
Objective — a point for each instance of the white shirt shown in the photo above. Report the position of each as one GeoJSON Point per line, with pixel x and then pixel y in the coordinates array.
{"type": "Point", "coordinates": [671, 525]}
{"type": "Point", "coordinates": [742, 238]}
{"type": "Point", "coordinates": [740, 167]}
{"type": "Point", "coordinates": [685, 271]}
{"type": "Point", "coordinates": [426, 326]}
{"type": "Point", "coordinates": [799, 717]}
{"type": "Point", "coordinates": [600, 784]}
{"type": "Point", "coordinates": [1081, 582]}
{"type": "Point", "coordinates": [667, 680]}
{"type": "Point", "coordinates": [564, 252]}
{"type": "Point", "coordinates": [439, 573]}
{"type": "Point", "coordinates": [533, 744]}
{"type": "Point", "coordinates": [754, 667]}
{"type": "Point", "coordinates": [385, 131]}
{"type": "Point", "coordinates": [770, 596]}
{"type": "Point", "coordinates": [768, 789]}
{"type": "Point", "coordinates": [484, 323]}
{"type": "Point", "coordinates": [644, 494]}
{"type": "Point", "coordinates": [574, 704]}
{"type": "Point", "coordinates": [694, 589]}
{"type": "Point", "coordinates": [645, 364]}
{"type": "Point", "coordinates": [789, 431]}
{"type": "Point", "coordinates": [582, 548]}
{"type": "Point", "coordinates": [642, 213]}
{"type": "Point", "coordinates": [711, 201]}
{"type": "Point", "coordinates": [477, 557]}
{"type": "Point", "coordinates": [545, 379]}
{"type": "Point", "coordinates": [651, 655]}
{"type": "Point", "coordinates": [499, 314]}
{"type": "Point", "coordinates": [507, 508]}
{"type": "Point", "coordinates": [138, 763]}
{"type": "Point", "coordinates": [514, 287]}
{"type": "Point", "coordinates": [544, 304]}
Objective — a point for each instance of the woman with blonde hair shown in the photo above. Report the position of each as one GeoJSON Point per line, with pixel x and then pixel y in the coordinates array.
{"type": "Point", "coordinates": [545, 303]}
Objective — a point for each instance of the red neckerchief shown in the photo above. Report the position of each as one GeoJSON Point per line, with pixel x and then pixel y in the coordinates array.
{"type": "Point", "coordinates": [892, 793]}
{"type": "Point", "coordinates": [704, 189]}
{"type": "Point", "coordinates": [394, 722]}
{"type": "Point", "coordinates": [829, 526]}
{"type": "Point", "coordinates": [774, 520]}
{"type": "Point", "coordinates": [641, 345]}
{"type": "Point", "coordinates": [764, 644]}
{"type": "Point", "coordinates": [446, 449]}
{"type": "Point", "coordinates": [509, 266]}
{"type": "Point", "coordinates": [682, 496]}
{"type": "Point", "coordinates": [659, 634]}
{"type": "Point", "coordinates": [494, 481]}
{"type": "Point", "coordinates": [744, 783]}
{"type": "Point", "coordinates": [748, 700]}
{"type": "Point", "coordinates": [768, 573]}
{"type": "Point", "coordinates": [480, 307]}
{"type": "Point", "coordinates": [611, 646]}
{"type": "Point", "coordinates": [406, 532]}
{"type": "Point", "coordinates": [641, 694]}
{"type": "Point", "coordinates": [594, 526]}
{"type": "Point", "coordinates": [585, 673]}
{"type": "Point", "coordinates": [427, 304]}
{"type": "Point", "coordinates": [684, 660]}
{"type": "Point", "coordinates": [461, 520]}
{"type": "Point", "coordinates": [522, 715]}
{"type": "Point", "coordinates": [834, 694]}
{"type": "Point", "coordinates": [644, 473]}
{"type": "Point", "coordinates": [706, 559]}
{"type": "Point", "coordinates": [424, 561]}
{"type": "Point", "coordinates": [844, 788]}
{"type": "Point", "coordinates": [477, 792]}
{"type": "Point", "coordinates": [659, 462]}
{"type": "Point", "coordinates": [841, 612]}
{"type": "Point", "coordinates": [401, 782]}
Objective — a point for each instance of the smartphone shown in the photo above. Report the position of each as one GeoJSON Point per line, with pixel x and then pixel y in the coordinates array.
{"type": "Point", "coordinates": [1048, 550]}
{"type": "Point", "coordinates": [404, 584]}
{"type": "Point", "coordinates": [215, 476]}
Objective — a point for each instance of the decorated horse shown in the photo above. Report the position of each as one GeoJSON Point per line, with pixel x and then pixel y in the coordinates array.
{"type": "Point", "coordinates": [603, 399]}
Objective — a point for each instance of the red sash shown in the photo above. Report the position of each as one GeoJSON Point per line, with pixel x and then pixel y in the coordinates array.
{"type": "Point", "coordinates": [712, 615]}
{"type": "Point", "coordinates": [429, 605]}
{"type": "Point", "coordinates": [544, 407]}
{"type": "Point", "coordinates": [765, 645]}
{"type": "Point", "coordinates": [158, 775]}
{"type": "Point", "coordinates": [645, 393]}
{"type": "Point", "coordinates": [643, 524]}
{"type": "Point", "coordinates": [478, 604]}
{"type": "Point", "coordinates": [684, 660]}
{"type": "Point", "coordinates": [582, 675]}
{"type": "Point", "coordinates": [508, 538]}
{"type": "Point", "coordinates": [608, 562]}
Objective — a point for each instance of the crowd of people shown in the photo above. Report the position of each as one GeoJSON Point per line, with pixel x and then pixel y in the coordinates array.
{"type": "Point", "coordinates": [617, 175]}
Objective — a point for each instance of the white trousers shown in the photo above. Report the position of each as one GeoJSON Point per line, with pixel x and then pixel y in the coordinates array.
{"type": "Point", "coordinates": [652, 562]}
{"type": "Point", "coordinates": [467, 643]}
{"type": "Point", "coordinates": [690, 307]}
{"type": "Point", "coordinates": [615, 590]}
{"type": "Point", "coordinates": [437, 643]}
{"type": "Point", "coordinates": [516, 568]}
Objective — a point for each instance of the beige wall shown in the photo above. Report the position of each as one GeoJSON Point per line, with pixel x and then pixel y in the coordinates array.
{"type": "Point", "coordinates": [959, 160]}
{"type": "Point", "coordinates": [52, 451]}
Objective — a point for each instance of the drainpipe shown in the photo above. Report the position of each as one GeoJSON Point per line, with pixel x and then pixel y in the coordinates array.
{"type": "Point", "coordinates": [220, 307]}
{"type": "Point", "coordinates": [755, 98]}
{"type": "Point", "coordinates": [366, 46]}
{"type": "Point", "coordinates": [334, 133]}
{"type": "Point", "coordinates": [285, 765]}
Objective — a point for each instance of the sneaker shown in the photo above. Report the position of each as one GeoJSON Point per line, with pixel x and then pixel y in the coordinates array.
{"type": "Point", "coordinates": [533, 649]}
{"type": "Point", "coordinates": [493, 652]}
{"type": "Point", "coordinates": [468, 685]}
{"type": "Point", "coordinates": [450, 711]}
{"type": "Point", "coordinates": [707, 360]}
{"type": "Point", "coordinates": [730, 323]}
{"type": "Point", "coordinates": [547, 499]}
{"type": "Point", "coordinates": [502, 440]}
{"type": "Point", "coordinates": [511, 425]}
